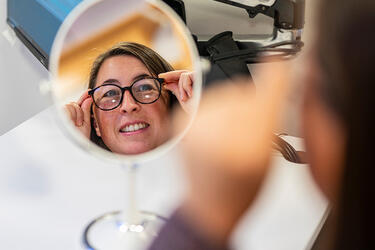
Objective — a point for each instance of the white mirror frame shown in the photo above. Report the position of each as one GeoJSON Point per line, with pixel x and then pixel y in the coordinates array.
{"type": "Point", "coordinates": [68, 127]}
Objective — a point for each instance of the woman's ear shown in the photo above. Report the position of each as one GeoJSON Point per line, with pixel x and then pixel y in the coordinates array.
{"type": "Point", "coordinates": [95, 125]}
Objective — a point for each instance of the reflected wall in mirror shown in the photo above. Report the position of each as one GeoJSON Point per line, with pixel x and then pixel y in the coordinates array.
{"type": "Point", "coordinates": [118, 77]}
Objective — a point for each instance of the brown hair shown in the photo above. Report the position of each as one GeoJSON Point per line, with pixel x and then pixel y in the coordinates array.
{"type": "Point", "coordinates": [345, 52]}
{"type": "Point", "coordinates": [152, 60]}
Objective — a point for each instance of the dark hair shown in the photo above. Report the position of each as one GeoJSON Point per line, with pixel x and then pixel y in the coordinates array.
{"type": "Point", "coordinates": [346, 50]}
{"type": "Point", "coordinates": [152, 60]}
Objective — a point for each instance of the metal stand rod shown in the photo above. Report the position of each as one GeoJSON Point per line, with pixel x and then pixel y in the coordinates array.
{"type": "Point", "coordinates": [131, 213]}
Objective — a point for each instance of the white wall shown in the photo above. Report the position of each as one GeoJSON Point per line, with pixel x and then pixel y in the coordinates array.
{"type": "Point", "coordinates": [20, 75]}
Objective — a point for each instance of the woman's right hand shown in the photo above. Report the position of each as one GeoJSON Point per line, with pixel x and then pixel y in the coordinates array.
{"type": "Point", "coordinates": [79, 113]}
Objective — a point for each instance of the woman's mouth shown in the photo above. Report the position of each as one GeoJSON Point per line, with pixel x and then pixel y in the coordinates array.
{"type": "Point", "coordinates": [135, 127]}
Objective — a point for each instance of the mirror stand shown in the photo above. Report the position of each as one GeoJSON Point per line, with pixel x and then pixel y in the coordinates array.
{"type": "Point", "coordinates": [126, 229]}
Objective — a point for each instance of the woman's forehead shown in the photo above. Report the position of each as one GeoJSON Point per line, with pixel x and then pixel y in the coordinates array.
{"type": "Point", "coordinates": [123, 68]}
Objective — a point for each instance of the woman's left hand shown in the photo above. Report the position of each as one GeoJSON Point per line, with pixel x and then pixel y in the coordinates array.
{"type": "Point", "coordinates": [180, 83]}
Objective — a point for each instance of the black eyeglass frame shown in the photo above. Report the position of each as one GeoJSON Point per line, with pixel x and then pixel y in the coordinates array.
{"type": "Point", "coordinates": [129, 88]}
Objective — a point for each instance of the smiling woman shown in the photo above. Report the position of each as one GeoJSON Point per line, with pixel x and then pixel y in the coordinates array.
{"type": "Point", "coordinates": [126, 109]}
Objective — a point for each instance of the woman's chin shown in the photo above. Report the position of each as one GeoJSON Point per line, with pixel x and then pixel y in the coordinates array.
{"type": "Point", "coordinates": [134, 149]}
{"type": "Point", "coordinates": [136, 146]}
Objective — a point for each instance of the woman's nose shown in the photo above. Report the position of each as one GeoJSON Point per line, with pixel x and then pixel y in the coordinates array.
{"type": "Point", "coordinates": [128, 104]}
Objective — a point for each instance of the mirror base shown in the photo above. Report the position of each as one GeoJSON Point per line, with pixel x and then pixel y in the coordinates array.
{"type": "Point", "coordinates": [110, 231]}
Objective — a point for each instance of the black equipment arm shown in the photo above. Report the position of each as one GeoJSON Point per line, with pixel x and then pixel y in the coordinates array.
{"type": "Point", "coordinates": [288, 14]}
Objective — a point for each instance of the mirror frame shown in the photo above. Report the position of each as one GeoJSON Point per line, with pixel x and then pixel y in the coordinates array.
{"type": "Point", "coordinates": [68, 127]}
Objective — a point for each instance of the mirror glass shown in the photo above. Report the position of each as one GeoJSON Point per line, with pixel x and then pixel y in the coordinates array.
{"type": "Point", "coordinates": [106, 67]}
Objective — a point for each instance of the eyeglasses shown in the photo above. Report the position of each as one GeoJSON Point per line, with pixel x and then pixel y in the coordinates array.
{"type": "Point", "coordinates": [109, 96]}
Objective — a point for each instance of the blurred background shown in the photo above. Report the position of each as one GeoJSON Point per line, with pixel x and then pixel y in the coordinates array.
{"type": "Point", "coordinates": [34, 179]}
{"type": "Point", "coordinates": [22, 74]}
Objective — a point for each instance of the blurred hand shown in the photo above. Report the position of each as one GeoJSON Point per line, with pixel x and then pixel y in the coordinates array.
{"type": "Point", "coordinates": [227, 150]}
{"type": "Point", "coordinates": [180, 83]}
{"type": "Point", "coordinates": [79, 113]}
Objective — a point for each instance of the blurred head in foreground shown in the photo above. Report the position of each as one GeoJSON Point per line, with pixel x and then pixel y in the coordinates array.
{"type": "Point", "coordinates": [338, 117]}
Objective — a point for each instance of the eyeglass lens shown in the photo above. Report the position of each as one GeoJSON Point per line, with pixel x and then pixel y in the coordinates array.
{"type": "Point", "coordinates": [144, 91]}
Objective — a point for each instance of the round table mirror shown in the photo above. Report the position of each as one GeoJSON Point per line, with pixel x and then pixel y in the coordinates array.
{"type": "Point", "coordinates": [120, 69]}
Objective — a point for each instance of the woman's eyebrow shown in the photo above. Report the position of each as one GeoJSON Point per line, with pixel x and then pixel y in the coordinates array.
{"type": "Point", "coordinates": [110, 81]}
{"type": "Point", "coordinates": [140, 76]}
{"type": "Point", "coordinates": [136, 78]}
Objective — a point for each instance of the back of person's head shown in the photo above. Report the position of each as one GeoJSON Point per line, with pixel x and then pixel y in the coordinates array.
{"type": "Point", "coordinates": [345, 53]}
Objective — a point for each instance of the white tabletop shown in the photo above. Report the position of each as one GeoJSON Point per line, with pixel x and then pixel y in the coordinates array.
{"type": "Point", "coordinates": [50, 189]}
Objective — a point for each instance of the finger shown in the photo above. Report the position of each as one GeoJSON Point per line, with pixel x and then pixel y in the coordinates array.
{"type": "Point", "coordinates": [191, 75]}
{"type": "Point", "coordinates": [184, 80]}
{"type": "Point", "coordinates": [79, 113]}
{"type": "Point", "coordinates": [72, 112]}
{"type": "Point", "coordinates": [83, 97]}
{"type": "Point", "coordinates": [68, 111]}
{"type": "Point", "coordinates": [188, 85]}
{"type": "Point", "coordinates": [86, 107]}
{"type": "Point", "coordinates": [173, 87]}
{"type": "Point", "coordinates": [172, 76]}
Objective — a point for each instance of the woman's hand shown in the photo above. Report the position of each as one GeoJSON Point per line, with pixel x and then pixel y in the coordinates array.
{"type": "Point", "coordinates": [228, 149]}
{"type": "Point", "coordinates": [180, 83]}
{"type": "Point", "coordinates": [79, 113]}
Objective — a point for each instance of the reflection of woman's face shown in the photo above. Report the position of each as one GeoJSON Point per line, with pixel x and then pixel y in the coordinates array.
{"type": "Point", "coordinates": [150, 120]}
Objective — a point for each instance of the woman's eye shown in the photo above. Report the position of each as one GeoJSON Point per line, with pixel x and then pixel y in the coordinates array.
{"type": "Point", "coordinates": [110, 93]}
{"type": "Point", "coordinates": [145, 87]}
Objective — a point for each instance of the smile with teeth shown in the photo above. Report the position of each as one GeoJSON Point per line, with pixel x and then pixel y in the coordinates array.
{"type": "Point", "coordinates": [134, 127]}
